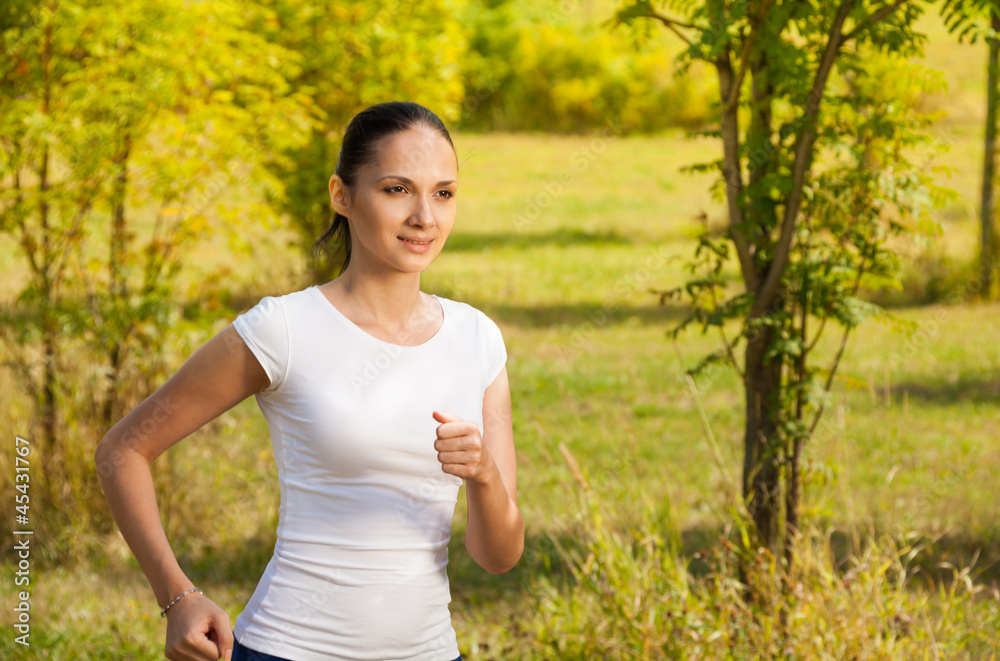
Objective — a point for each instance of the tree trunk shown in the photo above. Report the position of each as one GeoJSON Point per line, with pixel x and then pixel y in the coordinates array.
{"type": "Point", "coordinates": [50, 322]}
{"type": "Point", "coordinates": [987, 248]}
{"type": "Point", "coordinates": [761, 456]}
{"type": "Point", "coordinates": [116, 257]}
{"type": "Point", "coordinates": [118, 281]}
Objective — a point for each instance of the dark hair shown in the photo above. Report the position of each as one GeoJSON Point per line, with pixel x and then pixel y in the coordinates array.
{"type": "Point", "coordinates": [360, 147]}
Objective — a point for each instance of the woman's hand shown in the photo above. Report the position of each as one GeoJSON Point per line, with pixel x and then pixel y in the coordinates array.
{"type": "Point", "coordinates": [460, 447]}
{"type": "Point", "coordinates": [494, 527]}
{"type": "Point", "coordinates": [198, 630]}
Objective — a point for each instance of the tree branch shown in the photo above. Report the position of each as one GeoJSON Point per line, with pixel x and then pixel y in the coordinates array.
{"type": "Point", "coordinates": [732, 172]}
{"type": "Point", "coordinates": [803, 154]}
{"type": "Point", "coordinates": [666, 20]}
{"type": "Point", "coordinates": [748, 44]}
{"type": "Point", "coordinates": [872, 20]}
{"type": "Point", "coordinates": [725, 340]}
{"type": "Point", "coordinates": [862, 268]}
{"type": "Point", "coordinates": [672, 24]}
{"type": "Point", "coordinates": [74, 230]}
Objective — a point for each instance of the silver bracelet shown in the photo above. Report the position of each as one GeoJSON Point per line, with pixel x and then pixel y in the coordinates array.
{"type": "Point", "coordinates": [163, 613]}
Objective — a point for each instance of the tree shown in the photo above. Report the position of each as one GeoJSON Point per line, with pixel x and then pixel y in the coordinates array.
{"type": "Point", "coordinates": [183, 115]}
{"type": "Point", "coordinates": [110, 109]}
{"type": "Point", "coordinates": [43, 214]}
{"type": "Point", "coordinates": [969, 17]}
{"type": "Point", "coordinates": [805, 79]}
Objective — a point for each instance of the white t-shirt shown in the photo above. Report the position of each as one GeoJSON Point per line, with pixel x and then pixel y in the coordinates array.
{"type": "Point", "coordinates": [359, 566]}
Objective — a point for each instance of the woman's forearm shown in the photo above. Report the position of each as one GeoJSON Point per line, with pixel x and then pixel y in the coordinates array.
{"type": "Point", "coordinates": [494, 533]}
{"type": "Point", "coordinates": [221, 374]}
{"type": "Point", "coordinates": [128, 487]}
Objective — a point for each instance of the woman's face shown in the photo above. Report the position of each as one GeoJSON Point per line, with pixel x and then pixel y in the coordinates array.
{"type": "Point", "coordinates": [401, 207]}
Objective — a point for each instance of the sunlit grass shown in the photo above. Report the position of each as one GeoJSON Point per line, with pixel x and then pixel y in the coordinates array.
{"type": "Point", "coordinates": [559, 239]}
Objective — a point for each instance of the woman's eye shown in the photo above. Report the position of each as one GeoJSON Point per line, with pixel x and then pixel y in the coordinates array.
{"type": "Point", "coordinates": [448, 193]}
{"type": "Point", "coordinates": [391, 189]}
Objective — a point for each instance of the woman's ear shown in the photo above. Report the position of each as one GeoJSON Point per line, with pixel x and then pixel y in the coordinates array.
{"type": "Point", "coordinates": [338, 195]}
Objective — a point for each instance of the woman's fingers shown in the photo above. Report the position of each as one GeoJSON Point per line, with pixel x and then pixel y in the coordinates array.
{"type": "Point", "coordinates": [454, 427]}
{"type": "Point", "coordinates": [222, 635]}
{"type": "Point", "coordinates": [459, 457]}
{"type": "Point", "coordinates": [197, 630]}
{"type": "Point", "coordinates": [459, 445]}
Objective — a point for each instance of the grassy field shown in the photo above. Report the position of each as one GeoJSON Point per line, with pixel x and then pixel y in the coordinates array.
{"type": "Point", "coordinates": [908, 446]}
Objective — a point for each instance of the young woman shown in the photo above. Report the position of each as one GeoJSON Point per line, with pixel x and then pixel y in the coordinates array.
{"type": "Point", "coordinates": [380, 400]}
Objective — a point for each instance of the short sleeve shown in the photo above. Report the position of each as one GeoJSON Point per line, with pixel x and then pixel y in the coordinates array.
{"type": "Point", "coordinates": [494, 351]}
{"type": "Point", "coordinates": [265, 331]}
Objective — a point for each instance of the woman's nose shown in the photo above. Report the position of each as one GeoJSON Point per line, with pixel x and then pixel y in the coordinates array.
{"type": "Point", "coordinates": [422, 214]}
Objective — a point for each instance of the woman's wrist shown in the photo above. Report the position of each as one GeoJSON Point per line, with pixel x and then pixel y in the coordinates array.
{"type": "Point", "coordinates": [192, 590]}
{"type": "Point", "coordinates": [175, 585]}
{"type": "Point", "coordinates": [489, 474]}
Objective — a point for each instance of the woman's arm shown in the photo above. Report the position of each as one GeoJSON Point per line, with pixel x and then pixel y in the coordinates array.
{"type": "Point", "coordinates": [494, 532]}
{"type": "Point", "coordinates": [215, 378]}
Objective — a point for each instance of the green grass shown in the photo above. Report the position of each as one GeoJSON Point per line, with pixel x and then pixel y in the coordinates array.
{"type": "Point", "coordinates": [590, 367]}
{"type": "Point", "coordinates": [908, 446]}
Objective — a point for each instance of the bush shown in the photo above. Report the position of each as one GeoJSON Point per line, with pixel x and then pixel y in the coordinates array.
{"type": "Point", "coordinates": [635, 595]}
{"type": "Point", "coordinates": [561, 72]}
{"type": "Point", "coordinates": [930, 277]}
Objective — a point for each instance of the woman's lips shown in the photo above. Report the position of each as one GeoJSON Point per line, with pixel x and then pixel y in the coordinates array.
{"type": "Point", "coordinates": [416, 247]}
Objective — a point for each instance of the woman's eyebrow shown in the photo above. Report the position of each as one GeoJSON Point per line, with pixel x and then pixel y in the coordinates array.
{"type": "Point", "coordinates": [410, 181]}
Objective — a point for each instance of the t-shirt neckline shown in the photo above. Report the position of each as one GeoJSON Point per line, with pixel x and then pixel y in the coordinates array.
{"type": "Point", "coordinates": [359, 330]}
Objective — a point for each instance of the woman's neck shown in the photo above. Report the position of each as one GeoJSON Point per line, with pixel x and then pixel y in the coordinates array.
{"type": "Point", "coordinates": [391, 301]}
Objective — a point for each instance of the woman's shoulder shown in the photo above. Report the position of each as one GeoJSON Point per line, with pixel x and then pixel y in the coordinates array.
{"type": "Point", "coordinates": [456, 307]}
{"type": "Point", "coordinates": [466, 313]}
{"type": "Point", "coordinates": [272, 310]}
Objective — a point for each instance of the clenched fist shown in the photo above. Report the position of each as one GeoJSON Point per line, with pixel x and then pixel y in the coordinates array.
{"type": "Point", "coordinates": [460, 448]}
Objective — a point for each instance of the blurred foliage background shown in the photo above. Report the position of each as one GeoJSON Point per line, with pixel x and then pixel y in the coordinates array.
{"type": "Point", "coordinates": [165, 165]}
